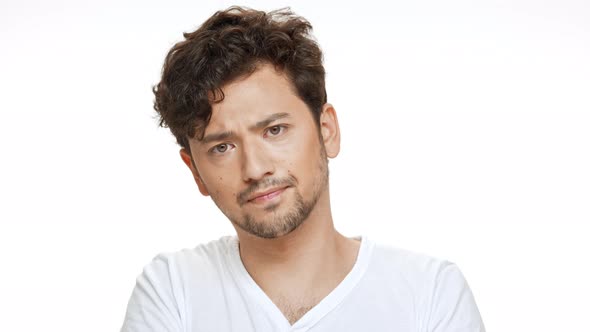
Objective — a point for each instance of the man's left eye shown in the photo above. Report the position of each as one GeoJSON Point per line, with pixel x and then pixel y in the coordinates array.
{"type": "Point", "coordinates": [275, 130]}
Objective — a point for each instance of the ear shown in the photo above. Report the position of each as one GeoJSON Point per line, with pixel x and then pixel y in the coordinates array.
{"type": "Point", "coordinates": [188, 160]}
{"type": "Point", "coordinates": [330, 130]}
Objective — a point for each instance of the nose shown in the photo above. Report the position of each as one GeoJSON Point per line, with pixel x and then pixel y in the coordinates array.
{"type": "Point", "coordinates": [256, 163]}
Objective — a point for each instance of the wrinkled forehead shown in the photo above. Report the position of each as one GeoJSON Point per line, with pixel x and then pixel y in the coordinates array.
{"type": "Point", "coordinates": [249, 99]}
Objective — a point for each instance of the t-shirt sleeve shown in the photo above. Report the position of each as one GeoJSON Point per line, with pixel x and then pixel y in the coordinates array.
{"type": "Point", "coordinates": [453, 307]}
{"type": "Point", "coordinates": [153, 305]}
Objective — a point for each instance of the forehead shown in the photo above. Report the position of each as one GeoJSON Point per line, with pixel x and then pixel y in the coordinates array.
{"type": "Point", "coordinates": [248, 99]}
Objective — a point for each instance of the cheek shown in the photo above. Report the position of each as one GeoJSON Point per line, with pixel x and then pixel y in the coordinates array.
{"type": "Point", "coordinates": [224, 190]}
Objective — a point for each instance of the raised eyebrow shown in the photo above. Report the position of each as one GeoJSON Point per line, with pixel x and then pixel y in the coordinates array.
{"type": "Point", "coordinates": [258, 125]}
{"type": "Point", "coordinates": [269, 120]}
{"type": "Point", "coordinates": [217, 137]}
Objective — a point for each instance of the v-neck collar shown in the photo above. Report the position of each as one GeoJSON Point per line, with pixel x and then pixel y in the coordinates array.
{"type": "Point", "coordinates": [320, 310]}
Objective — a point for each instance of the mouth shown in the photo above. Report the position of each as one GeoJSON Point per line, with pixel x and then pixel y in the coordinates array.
{"type": "Point", "coordinates": [266, 196]}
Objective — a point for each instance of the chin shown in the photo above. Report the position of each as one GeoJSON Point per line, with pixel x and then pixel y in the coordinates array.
{"type": "Point", "coordinates": [272, 227]}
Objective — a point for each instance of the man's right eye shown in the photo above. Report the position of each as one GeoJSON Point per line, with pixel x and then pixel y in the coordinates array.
{"type": "Point", "coordinates": [221, 148]}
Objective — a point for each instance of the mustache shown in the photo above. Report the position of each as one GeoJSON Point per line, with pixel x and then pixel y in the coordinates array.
{"type": "Point", "coordinates": [263, 184]}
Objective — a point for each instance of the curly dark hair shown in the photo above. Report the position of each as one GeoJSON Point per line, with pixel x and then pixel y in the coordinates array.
{"type": "Point", "coordinates": [233, 43]}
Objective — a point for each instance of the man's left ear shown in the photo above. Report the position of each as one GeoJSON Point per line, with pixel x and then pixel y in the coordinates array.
{"type": "Point", "coordinates": [330, 130]}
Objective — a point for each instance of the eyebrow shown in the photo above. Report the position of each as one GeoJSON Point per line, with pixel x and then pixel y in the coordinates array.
{"type": "Point", "coordinates": [258, 125]}
{"type": "Point", "coordinates": [269, 120]}
{"type": "Point", "coordinates": [217, 137]}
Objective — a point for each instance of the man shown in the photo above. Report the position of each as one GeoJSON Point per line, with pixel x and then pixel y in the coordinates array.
{"type": "Point", "coordinates": [244, 95]}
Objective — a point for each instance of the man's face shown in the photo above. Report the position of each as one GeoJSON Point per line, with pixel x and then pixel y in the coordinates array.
{"type": "Point", "coordinates": [261, 158]}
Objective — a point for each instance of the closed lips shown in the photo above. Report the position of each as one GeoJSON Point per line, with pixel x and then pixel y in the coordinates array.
{"type": "Point", "coordinates": [265, 193]}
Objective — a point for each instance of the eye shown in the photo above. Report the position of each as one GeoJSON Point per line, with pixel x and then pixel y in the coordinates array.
{"type": "Point", "coordinates": [275, 130]}
{"type": "Point", "coordinates": [221, 148]}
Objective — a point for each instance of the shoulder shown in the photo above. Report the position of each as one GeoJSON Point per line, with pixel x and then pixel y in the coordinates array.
{"type": "Point", "coordinates": [418, 273]}
{"type": "Point", "coordinates": [435, 285]}
{"type": "Point", "coordinates": [202, 258]}
{"type": "Point", "coordinates": [169, 284]}
{"type": "Point", "coordinates": [390, 259]}
{"type": "Point", "coordinates": [172, 274]}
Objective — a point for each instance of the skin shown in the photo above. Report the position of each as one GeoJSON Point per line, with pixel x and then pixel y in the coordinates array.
{"type": "Point", "coordinates": [263, 139]}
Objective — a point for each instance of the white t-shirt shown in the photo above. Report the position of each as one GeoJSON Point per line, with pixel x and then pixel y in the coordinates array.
{"type": "Point", "coordinates": [388, 289]}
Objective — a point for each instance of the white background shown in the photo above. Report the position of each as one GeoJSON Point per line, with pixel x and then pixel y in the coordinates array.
{"type": "Point", "coordinates": [466, 135]}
